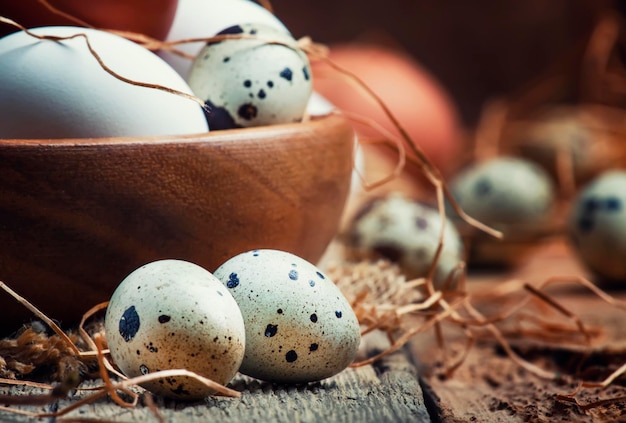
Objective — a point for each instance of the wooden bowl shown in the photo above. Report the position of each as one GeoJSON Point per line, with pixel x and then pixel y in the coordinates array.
{"type": "Point", "coordinates": [78, 215]}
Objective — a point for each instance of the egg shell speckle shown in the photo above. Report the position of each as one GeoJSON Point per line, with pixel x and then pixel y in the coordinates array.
{"type": "Point", "coordinates": [57, 89]}
{"type": "Point", "coordinates": [407, 232]}
{"type": "Point", "coordinates": [252, 82]}
{"type": "Point", "coordinates": [597, 225]}
{"type": "Point", "coordinates": [172, 314]}
{"type": "Point", "coordinates": [299, 326]}
{"type": "Point", "coordinates": [196, 19]}
{"type": "Point", "coordinates": [504, 190]}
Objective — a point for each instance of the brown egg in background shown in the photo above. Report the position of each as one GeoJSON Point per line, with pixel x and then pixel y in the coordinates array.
{"type": "Point", "coordinates": [149, 17]}
{"type": "Point", "coordinates": [415, 97]}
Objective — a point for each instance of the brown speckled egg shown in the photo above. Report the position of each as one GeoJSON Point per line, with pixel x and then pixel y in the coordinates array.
{"type": "Point", "coordinates": [172, 314]}
{"type": "Point", "coordinates": [299, 326]}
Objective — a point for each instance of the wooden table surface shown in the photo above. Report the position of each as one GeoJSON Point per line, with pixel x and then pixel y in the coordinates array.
{"type": "Point", "coordinates": [386, 392]}
{"type": "Point", "coordinates": [487, 387]}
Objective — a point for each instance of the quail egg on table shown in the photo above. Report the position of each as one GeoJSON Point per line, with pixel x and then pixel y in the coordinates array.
{"type": "Point", "coordinates": [510, 194]}
{"type": "Point", "coordinates": [299, 326]}
{"type": "Point", "coordinates": [597, 225]}
{"type": "Point", "coordinates": [263, 78]}
{"type": "Point", "coordinates": [407, 232]}
{"type": "Point", "coordinates": [504, 190]}
{"type": "Point", "coordinates": [173, 314]}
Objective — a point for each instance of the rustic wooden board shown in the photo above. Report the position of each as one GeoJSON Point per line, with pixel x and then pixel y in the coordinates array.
{"type": "Point", "coordinates": [387, 392]}
{"type": "Point", "coordinates": [489, 386]}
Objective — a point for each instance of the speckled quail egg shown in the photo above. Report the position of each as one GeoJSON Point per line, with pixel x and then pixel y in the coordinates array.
{"type": "Point", "coordinates": [597, 225]}
{"type": "Point", "coordinates": [252, 81]}
{"type": "Point", "coordinates": [173, 314]}
{"type": "Point", "coordinates": [407, 232]}
{"type": "Point", "coordinates": [197, 19]}
{"type": "Point", "coordinates": [299, 326]}
{"type": "Point", "coordinates": [504, 190]}
{"type": "Point", "coordinates": [510, 194]}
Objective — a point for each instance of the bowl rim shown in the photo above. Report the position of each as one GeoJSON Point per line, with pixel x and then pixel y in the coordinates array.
{"type": "Point", "coordinates": [249, 134]}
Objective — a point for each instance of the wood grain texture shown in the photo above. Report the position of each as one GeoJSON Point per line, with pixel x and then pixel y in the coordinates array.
{"type": "Point", "coordinates": [490, 387]}
{"type": "Point", "coordinates": [76, 216]}
{"type": "Point", "coordinates": [387, 393]}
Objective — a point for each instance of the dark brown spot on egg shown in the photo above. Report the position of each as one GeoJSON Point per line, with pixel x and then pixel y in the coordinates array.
{"type": "Point", "coordinates": [291, 356]}
{"type": "Point", "coordinates": [271, 330]}
{"type": "Point", "coordinates": [421, 222]}
{"type": "Point", "coordinates": [231, 30]}
{"type": "Point", "coordinates": [613, 204]}
{"type": "Point", "coordinates": [247, 111]}
{"type": "Point", "coordinates": [286, 74]}
{"type": "Point", "coordinates": [392, 252]}
{"type": "Point", "coordinates": [482, 187]}
{"type": "Point", "coordinates": [218, 117]}
{"type": "Point", "coordinates": [129, 323]}
{"type": "Point", "coordinates": [180, 390]}
{"type": "Point", "coordinates": [233, 281]}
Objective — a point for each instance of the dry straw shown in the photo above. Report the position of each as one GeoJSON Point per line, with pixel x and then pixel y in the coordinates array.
{"type": "Point", "coordinates": [380, 295]}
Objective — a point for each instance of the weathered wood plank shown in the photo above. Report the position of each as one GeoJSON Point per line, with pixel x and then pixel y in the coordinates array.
{"type": "Point", "coordinates": [388, 392]}
{"type": "Point", "coordinates": [489, 386]}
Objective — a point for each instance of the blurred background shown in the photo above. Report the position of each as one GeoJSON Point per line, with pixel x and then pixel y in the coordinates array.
{"type": "Point", "coordinates": [476, 49]}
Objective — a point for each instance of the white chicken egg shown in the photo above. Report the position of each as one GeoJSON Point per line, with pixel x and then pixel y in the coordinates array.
{"type": "Point", "coordinates": [204, 19]}
{"type": "Point", "coordinates": [299, 326]}
{"type": "Point", "coordinates": [57, 89]}
{"type": "Point", "coordinates": [173, 314]}
{"type": "Point", "coordinates": [597, 225]}
{"type": "Point", "coordinates": [407, 232]}
{"type": "Point", "coordinates": [319, 105]}
{"type": "Point", "coordinates": [504, 190]}
{"type": "Point", "coordinates": [252, 82]}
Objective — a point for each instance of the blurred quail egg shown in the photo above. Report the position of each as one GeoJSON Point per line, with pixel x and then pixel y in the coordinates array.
{"type": "Point", "coordinates": [597, 225]}
{"type": "Point", "coordinates": [172, 314]}
{"type": "Point", "coordinates": [252, 82]}
{"type": "Point", "coordinates": [407, 232]}
{"type": "Point", "coordinates": [510, 194]}
{"type": "Point", "coordinates": [504, 190]}
{"type": "Point", "coordinates": [57, 89]}
{"type": "Point", "coordinates": [299, 326]}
